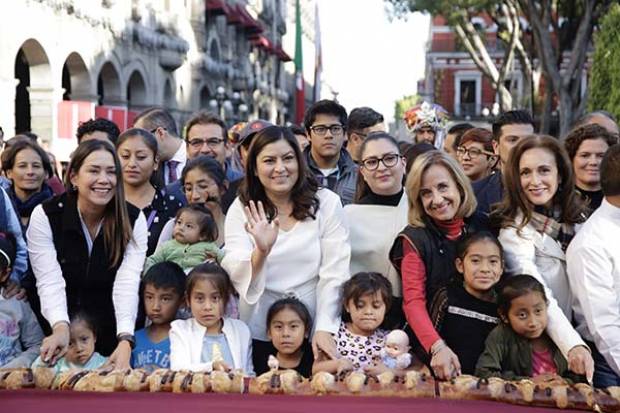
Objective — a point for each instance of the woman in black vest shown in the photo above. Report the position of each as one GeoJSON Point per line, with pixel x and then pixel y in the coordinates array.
{"type": "Point", "coordinates": [441, 210]}
{"type": "Point", "coordinates": [87, 249]}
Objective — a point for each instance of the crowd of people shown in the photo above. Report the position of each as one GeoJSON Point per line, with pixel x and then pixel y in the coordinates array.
{"type": "Point", "coordinates": [331, 246]}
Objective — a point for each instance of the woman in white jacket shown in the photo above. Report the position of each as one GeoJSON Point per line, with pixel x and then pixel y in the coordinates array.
{"type": "Point", "coordinates": [538, 216]}
{"type": "Point", "coordinates": [209, 341]}
{"type": "Point", "coordinates": [378, 214]}
{"type": "Point", "coordinates": [284, 236]}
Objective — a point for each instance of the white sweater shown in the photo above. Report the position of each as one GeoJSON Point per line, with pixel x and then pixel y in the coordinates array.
{"type": "Point", "coordinates": [593, 260]}
{"type": "Point", "coordinates": [373, 231]}
{"type": "Point", "coordinates": [186, 342]}
{"type": "Point", "coordinates": [310, 261]}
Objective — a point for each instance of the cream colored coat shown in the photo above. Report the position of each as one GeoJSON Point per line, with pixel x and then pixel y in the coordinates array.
{"type": "Point", "coordinates": [373, 229]}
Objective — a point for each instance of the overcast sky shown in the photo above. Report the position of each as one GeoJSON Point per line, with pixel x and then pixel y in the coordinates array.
{"type": "Point", "coordinates": [369, 60]}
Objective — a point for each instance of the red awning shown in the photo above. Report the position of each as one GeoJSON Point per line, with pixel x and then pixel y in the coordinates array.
{"type": "Point", "coordinates": [248, 22]}
{"type": "Point", "coordinates": [215, 7]}
{"type": "Point", "coordinates": [264, 43]}
{"type": "Point", "coordinates": [283, 55]}
{"type": "Point", "coordinates": [234, 16]}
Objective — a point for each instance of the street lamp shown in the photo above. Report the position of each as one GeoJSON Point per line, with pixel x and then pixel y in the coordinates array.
{"type": "Point", "coordinates": [233, 106]}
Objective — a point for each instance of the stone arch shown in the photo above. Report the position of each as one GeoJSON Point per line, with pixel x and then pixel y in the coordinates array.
{"type": "Point", "coordinates": [136, 90]}
{"type": "Point", "coordinates": [76, 79]}
{"type": "Point", "coordinates": [109, 85]}
{"type": "Point", "coordinates": [34, 90]}
{"type": "Point", "coordinates": [204, 96]}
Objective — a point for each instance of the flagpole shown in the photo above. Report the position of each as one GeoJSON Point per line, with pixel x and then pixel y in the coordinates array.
{"type": "Point", "coordinates": [300, 98]}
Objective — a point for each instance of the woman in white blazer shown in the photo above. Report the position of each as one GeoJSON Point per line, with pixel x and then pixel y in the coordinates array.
{"type": "Point", "coordinates": [285, 236]}
{"type": "Point", "coordinates": [378, 214]}
{"type": "Point", "coordinates": [538, 215]}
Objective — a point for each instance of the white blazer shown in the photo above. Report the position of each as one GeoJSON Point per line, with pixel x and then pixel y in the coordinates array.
{"type": "Point", "coordinates": [537, 254]}
{"type": "Point", "coordinates": [186, 341]}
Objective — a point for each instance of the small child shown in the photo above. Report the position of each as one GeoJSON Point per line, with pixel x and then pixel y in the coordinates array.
{"type": "Point", "coordinates": [465, 311]}
{"type": "Point", "coordinates": [209, 341]}
{"type": "Point", "coordinates": [194, 236]}
{"type": "Point", "coordinates": [288, 326]}
{"type": "Point", "coordinates": [366, 298]}
{"type": "Point", "coordinates": [519, 347]}
{"type": "Point", "coordinates": [81, 354]}
{"type": "Point", "coordinates": [163, 290]}
{"type": "Point", "coordinates": [20, 333]}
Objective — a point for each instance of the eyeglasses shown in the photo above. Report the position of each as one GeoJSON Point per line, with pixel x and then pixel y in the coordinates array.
{"type": "Point", "coordinates": [473, 153]}
{"type": "Point", "coordinates": [388, 160]}
{"type": "Point", "coordinates": [321, 130]}
{"type": "Point", "coordinates": [212, 143]}
{"type": "Point", "coordinates": [360, 134]}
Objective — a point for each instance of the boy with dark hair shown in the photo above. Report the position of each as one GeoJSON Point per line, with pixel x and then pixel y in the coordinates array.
{"type": "Point", "coordinates": [99, 128]}
{"type": "Point", "coordinates": [453, 138]}
{"type": "Point", "coordinates": [331, 164]}
{"type": "Point", "coordinates": [508, 129]}
{"type": "Point", "coordinates": [163, 290]}
{"type": "Point", "coordinates": [362, 121]}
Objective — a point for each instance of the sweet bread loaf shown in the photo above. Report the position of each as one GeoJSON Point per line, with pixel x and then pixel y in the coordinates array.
{"type": "Point", "coordinates": [323, 383]}
{"type": "Point", "coordinates": [136, 381]}
{"type": "Point", "coordinates": [43, 377]}
{"type": "Point", "coordinates": [13, 379]}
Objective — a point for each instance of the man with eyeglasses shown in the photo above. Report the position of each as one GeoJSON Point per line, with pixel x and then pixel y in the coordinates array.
{"type": "Point", "coordinates": [325, 122]}
{"type": "Point", "coordinates": [172, 156]}
{"type": "Point", "coordinates": [206, 134]}
{"type": "Point", "coordinates": [361, 122]}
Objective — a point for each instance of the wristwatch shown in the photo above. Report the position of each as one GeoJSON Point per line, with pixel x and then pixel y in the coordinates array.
{"type": "Point", "coordinates": [128, 338]}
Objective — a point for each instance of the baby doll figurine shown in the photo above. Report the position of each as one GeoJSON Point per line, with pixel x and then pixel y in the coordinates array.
{"type": "Point", "coordinates": [395, 354]}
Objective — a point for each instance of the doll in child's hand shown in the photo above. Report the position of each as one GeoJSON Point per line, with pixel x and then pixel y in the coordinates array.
{"type": "Point", "coordinates": [395, 354]}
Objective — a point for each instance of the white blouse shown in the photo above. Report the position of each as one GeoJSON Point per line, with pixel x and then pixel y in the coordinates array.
{"type": "Point", "coordinates": [310, 262]}
{"type": "Point", "coordinates": [373, 231]}
{"type": "Point", "coordinates": [51, 284]}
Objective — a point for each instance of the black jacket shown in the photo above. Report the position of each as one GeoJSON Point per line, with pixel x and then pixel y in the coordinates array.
{"type": "Point", "coordinates": [89, 278]}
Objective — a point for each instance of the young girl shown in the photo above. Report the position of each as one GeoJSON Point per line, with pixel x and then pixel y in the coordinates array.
{"type": "Point", "coordinates": [465, 311]}
{"type": "Point", "coordinates": [366, 298]}
{"type": "Point", "coordinates": [519, 346]}
{"type": "Point", "coordinates": [288, 326]}
{"type": "Point", "coordinates": [209, 341]}
{"type": "Point", "coordinates": [193, 240]}
{"type": "Point", "coordinates": [81, 354]}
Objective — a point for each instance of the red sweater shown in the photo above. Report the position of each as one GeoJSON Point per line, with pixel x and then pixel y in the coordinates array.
{"type": "Point", "coordinates": [414, 286]}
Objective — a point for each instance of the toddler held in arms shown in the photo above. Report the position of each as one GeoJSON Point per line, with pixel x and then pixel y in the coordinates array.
{"type": "Point", "coordinates": [194, 236]}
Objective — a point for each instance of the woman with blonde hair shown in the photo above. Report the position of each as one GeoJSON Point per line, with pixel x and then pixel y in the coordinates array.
{"type": "Point", "coordinates": [442, 209]}
{"type": "Point", "coordinates": [538, 216]}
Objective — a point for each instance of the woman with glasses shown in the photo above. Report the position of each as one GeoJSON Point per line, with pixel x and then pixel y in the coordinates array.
{"type": "Point", "coordinates": [286, 237]}
{"type": "Point", "coordinates": [137, 152]}
{"type": "Point", "coordinates": [586, 146]}
{"type": "Point", "coordinates": [441, 212]}
{"type": "Point", "coordinates": [379, 213]}
{"type": "Point", "coordinates": [475, 154]}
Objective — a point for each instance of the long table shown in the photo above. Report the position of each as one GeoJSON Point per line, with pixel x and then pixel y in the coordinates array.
{"type": "Point", "coordinates": [42, 401]}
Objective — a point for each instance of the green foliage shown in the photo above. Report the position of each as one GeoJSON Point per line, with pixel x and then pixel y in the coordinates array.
{"type": "Point", "coordinates": [403, 104]}
{"type": "Point", "coordinates": [604, 90]}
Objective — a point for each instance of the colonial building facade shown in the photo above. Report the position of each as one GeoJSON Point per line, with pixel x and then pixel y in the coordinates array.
{"type": "Point", "coordinates": [66, 61]}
